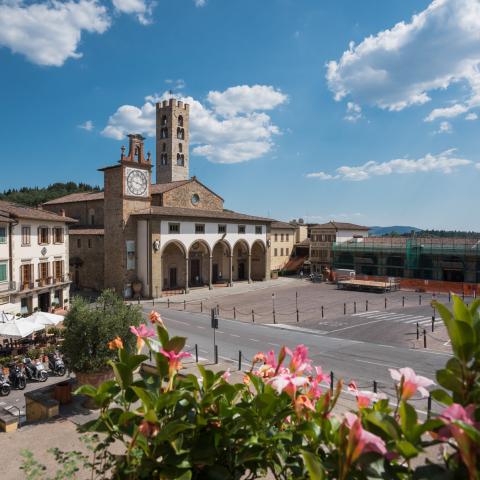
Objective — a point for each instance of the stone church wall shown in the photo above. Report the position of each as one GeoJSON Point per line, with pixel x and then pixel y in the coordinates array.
{"type": "Point", "coordinates": [181, 197]}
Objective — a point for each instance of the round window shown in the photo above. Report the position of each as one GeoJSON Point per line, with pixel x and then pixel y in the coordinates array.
{"type": "Point", "coordinates": [195, 199]}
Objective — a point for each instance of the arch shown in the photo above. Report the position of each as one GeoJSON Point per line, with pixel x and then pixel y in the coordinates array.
{"type": "Point", "coordinates": [240, 260]}
{"type": "Point", "coordinates": [173, 258]}
{"type": "Point", "coordinates": [164, 121]}
{"type": "Point", "coordinates": [258, 260]}
{"type": "Point", "coordinates": [180, 159]}
{"type": "Point", "coordinates": [199, 263]}
{"type": "Point", "coordinates": [221, 253]}
{"type": "Point", "coordinates": [180, 120]}
{"type": "Point", "coordinates": [164, 132]}
{"type": "Point", "coordinates": [180, 133]}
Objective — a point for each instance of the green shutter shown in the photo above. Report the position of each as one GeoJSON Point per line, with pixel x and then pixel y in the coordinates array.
{"type": "Point", "coordinates": [3, 235]}
{"type": "Point", "coordinates": [3, 272]}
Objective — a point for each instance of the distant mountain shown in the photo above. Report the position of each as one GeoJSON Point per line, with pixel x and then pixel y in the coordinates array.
{"type": "Point", "coordinates": [398, 229]}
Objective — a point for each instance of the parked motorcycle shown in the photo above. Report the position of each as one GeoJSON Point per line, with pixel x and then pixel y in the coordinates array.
{"type": "Point", "coordinates": [35, 370]}
{"type": "Point", "coordinates": [55, 364]}
{"type": "Point", "coordinates": [4, 385]}
{"type": "Point", "coordinates": [17, 376]}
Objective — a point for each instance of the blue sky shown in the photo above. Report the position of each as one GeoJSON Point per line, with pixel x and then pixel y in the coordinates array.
{"type": "Point", "coordinates": [289, 119]}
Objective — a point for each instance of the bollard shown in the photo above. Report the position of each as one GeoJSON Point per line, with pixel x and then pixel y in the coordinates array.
{"type": "Point", "coordinates": [419, 299]}
{"type": "Point", "coordinates": [253, 316]}
{"type": "Point", "coordinates": [418, 332]}
{"type": "Point", "coordinates": [463, 295]}
{"type": "Point", "coordinates": [153, 302]}
{"type": "Point", "coordinates": [344, 308]}
{"type": "Point", "coordinates": [216, 354]}
{"type": "Point", "coordinates": [218, 309]}
{"type": "Point", "coordinates": [201, 306]}
{"type": "Point", "coordinates": [138, 301]}
{"type": "Point", "coordinates": [239, 359]}
{"type": "Point", "coordinates": [274, 321]}
{"type": "Point", "coordinates": [150, 354]}
{"type": "Point", "coordinates": [354, 307]}
{"type": "Point", "coordinates": [424, 338]}
{"type": "Point", "coordinates": [196, 353]}
{"type": "Point", "coordinates": [374, 386]}
{"type": "Point", "coordinates": [184, 304]}
{"type": "Point", "coordinates": [429, 406]}
{"type": "Point", "coordinates": [449, 294]}
{"type": "Point", "coordinates": [366, 305]}
{"type": "Point", "coordinates": [322, 311]}
{"type": "Point", "coordinates": [385, 303]}
{"type": "Point", "coordinates": [331, 381]}
{"type": "Point", "coordinates": [433, 323]}
{"type": "Point", "coordinates": [298, 319]}
{"type": "Point", "coordinates": [168, 303]}
{"type": "Point", "coordinates": [234, 313]}
{"type": "Point", "coordinates": [403, 301]}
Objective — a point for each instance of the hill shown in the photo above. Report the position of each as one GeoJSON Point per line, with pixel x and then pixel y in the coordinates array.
{"type": "Point", "coordinates": [396, 229]}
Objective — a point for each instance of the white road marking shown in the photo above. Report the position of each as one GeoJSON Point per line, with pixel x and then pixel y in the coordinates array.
{"type": "Point", "coordinates": [203, 328]}
{"type": "Point", "coordinates": [364, 313]}
{"type": "Point", "coordinates": [234, 335]}
{"type": "Point", "coordinates": [417, 319]}
{"type": "Point", "coordinates": [254, 340]}
{"type": "Point", "coordinates": [354, 326]}
{"type": "Point", "coordinates": [273, 344]}
{"type": "Point", "coordinates": [376, 363]}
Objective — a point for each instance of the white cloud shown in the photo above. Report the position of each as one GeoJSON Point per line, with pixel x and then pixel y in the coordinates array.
{"type": "Point", "coordinates": [445, 162]}
{"type": "Point", "coordinates": [235, 138]}
{"type": "Point", "coordinates": [399, 67]}
{"type": "Point", "coordinates": [178, 84]}
{"type": "Point", "coordinates": [141, 8]}
{"type": "Point", "coordinates": [48, 33]}
{"type": "Point", "coordinates": [477, 166]}
{"type": "Point", "coordinates": [354, 112]}
{"type": "Point", "coordinates": [246, 99]}
{"type": "Point", "coordinates": [445, 127]}
{"type": "Point", "coordinates": [471, 116]}
{"type": "Point", "coordinates": [200, 3]}
{"type": "Point", "coordinates": [88, 125]}
{"type": "Point", "coordinates": [447, 112]}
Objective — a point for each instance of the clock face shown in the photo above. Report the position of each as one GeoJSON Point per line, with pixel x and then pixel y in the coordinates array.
{"type": "Point", "coordinates": [137, 182]}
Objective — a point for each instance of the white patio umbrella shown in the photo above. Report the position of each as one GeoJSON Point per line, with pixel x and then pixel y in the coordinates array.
{"type": "Point", "coordinates": [44, 318]}
{"type": "Point", "coordinates": [19, 328]}
{"type": "Point", "coordinates": [6, 317]}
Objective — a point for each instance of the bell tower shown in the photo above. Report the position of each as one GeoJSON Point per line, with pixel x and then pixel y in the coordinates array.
{"type": "Point", "coordinates": [173, 138]}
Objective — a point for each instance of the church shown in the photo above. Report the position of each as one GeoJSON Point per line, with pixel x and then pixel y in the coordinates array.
{"type": "Point", "coordinates": [167, 236]}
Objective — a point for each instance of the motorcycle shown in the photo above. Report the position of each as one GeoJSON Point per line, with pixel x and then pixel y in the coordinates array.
{"type": "Point", "coordinates": [55, 364]}
{"type": "Point", "coordinates": [35, 371]}
{"type": "Point", "coordinates": [4, 385]}
{"type": "Point", "coordinates": [17, 376]}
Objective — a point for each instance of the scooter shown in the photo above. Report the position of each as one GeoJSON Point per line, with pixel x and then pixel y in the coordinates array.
{"type": "Point", "coordinates": [4, 385]}
{"type": "Point", "coordinates": [17, 376]}
{"type": "Point", "coordinates": [55, 364]}
{"type": "Point", "coordinates": [35, 371]}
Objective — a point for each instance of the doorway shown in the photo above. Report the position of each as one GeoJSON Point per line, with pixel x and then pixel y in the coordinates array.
{"type": "Point", "coordinates": [195, 271]}
{"type": "Point", "coordinates": [241, 270]}
{"type": "Point", "coordinates": [173, 277]}
{"type": "Point", "coordinates": [215, 273]}
{"type": "Point", "coordinates": [44, 302]}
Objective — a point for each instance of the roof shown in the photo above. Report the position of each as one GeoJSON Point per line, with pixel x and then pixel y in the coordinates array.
{"type": "Point", "coordinates": [278, 224]}
{"type": "Point", "coordinates": [340, 226]}
{"type": "Point", "coordinates": [197, 213]}
{"type": "Point", "coordinates": [5, 219]}
{"type": "Point", "coordinates": [19, 211]}
{"type": "Point", "coordinates": [304, 243]}
{"type": "Point", "coordinates": [87, 231]}
{"type": "Point", "coordinates": [158, 188]}
{"type": "Point", "coordinates": [77, 197]}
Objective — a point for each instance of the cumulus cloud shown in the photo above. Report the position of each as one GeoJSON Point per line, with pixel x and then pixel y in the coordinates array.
{"type": "Point", "coordinates": [445, 162]}
{"type": "Point", "coordinates": [142, 9]}
{"type": "Point", "coordinates": [246, 99]}
{"type": "Point", "coordinates": [401, 66]}
{"type": "Point", "coordinates": [48, 33]}
{"type": "Point", "coordinates": [471, 116]}
{"type": "Point", "coordinates": [214, 134]}
{"type": "Point", "coordinates": [88, 125]}
{"type": "Point", "coordinates": [354, 112]}
{"type": "Point", "coordinates": [445, 127]}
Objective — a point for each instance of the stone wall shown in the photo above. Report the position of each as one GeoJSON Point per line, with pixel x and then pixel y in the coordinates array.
{"type": "Point", "coordinates": [89, 249]}
{"type": "Point", "coordinates": [80, 211]}
{"type": "Point", "coordinates": [181, 197]}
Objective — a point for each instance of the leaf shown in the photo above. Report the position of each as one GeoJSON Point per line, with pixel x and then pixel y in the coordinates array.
{"type": "Point", "coordinates": [408, 419]}
{"type": "Point", "coordinates": [88, 390]}
{"type": "Point", "coordinates": [449, 380]}
{"type": "Point", "coordinates": [123, 374]}
{"type": "Point", "coordinates": [314, 466]}
{"type": "Point", "coordinates": [441, 396]}
{"type": "Point", "coordinates": [385, 424]}
{"type": "Point", "coordinates": [135, 360]}
{"type": "Point", "coordinates": [406, 449]}
{"type": "Point", "coordinates": [162, 335]}
{"type": "Point", "coordinates": [461, 311]}
{"type": "Point", "coordinates": [176, 344]}
{"type": "Point", "coordinates": [471, 431]}
{"type": "Point", "coordinates": [144, 396]}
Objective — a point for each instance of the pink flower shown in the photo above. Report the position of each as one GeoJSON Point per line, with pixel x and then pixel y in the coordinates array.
{"type": "Point", "coordinates": [364, 397]}
{"type": "Point", "coordinates": [299, 361]}
{"type": "Point", "coordinates": [259, 357]}
{"type": "Point", "coordinates": [149, 429]}
{"type": "Point", "coordinates": [226, 375]}
{"type": "Point", "coordinates": [143, 331]}
{"type": "Point", "coordinates": [410, 382]}
{"type": "Point", "coordinates": [302, 402]}
{"type": "Point", "coordinates": [361, 441]}
{"type": "Point", "coordinates": [174, 363]}
{"type": "Point", "coordinates": [288, 383]}
{"type": "Point", "coordinates": [155, 318]}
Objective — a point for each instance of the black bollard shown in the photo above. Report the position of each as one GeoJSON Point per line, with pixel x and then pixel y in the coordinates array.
{"type": "Point", "coordinates": [273, 312]}
{"type": "Point", "coordinates": [418, 332]}
{"type": "Point", "coordinates": [201, 306]}
{"type": "Point", "coordinates": [331, 382]}
{"type": "Point", "coordinates": [385, 303]}
{"type": "Point", "coordinates": [424, 338]}
{"type": "Point", "coordinates": [366, 305]}
{"type": "Point", "coordinates": [449, 295]}
{"type": "Point", "coordinates": [239, 359]}
{"type": "Point", "coordinates": [253, 316]}
{"type": "Point", "coordinates": [322, 311]}
{"type": "Point", "coordinates": [433, 323]}
{"type": "Point", "coordinates": [374, 386]}
{"type": "Point", "coordinates": [216, 354]}
{"type": "Point", "coordinates": [403, 301]}
{"type": "Point", "coordinates": [298, 319]}
{"type": "Point", "coordinates": [184, 304]}
{"type": "Point", "coordinates": [168, 303]}
{"type": "Point", "coordinates": [234, 313]}
{"type": "Point", "coordinates": [419, 299]}
{"type": "Point", "coordinates": [344, 308]}
{"type": "Point", "coordinates": [429, 406]}
{"type": "Point", "coordinates": [196, 353]}
{"type": "Point", "coordinates": [354, 307]}
{"type": "Point", "coordinates": [153, 302]}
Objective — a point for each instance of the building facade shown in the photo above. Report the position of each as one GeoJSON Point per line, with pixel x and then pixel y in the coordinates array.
{"type": "Point", "coordinates": [171, 235]}
{"type": "Point", "coordinates": [282, 243]}
{"type": "Point", "coordinates": [34, 259]}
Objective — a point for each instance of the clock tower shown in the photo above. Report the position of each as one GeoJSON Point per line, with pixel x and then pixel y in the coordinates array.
{"type": "Point", "coordinates": [127, 189]}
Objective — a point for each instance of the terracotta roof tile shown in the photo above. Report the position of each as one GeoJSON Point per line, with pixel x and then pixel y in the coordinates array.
{"type": "Point", "coordinates": [339, 226]}
{"type": "Point", "coordinates": [278, 224]}
{"type": "Point", "coordinates": [19, 211]}
{"type": "Point", "coordinates": [77, 197]}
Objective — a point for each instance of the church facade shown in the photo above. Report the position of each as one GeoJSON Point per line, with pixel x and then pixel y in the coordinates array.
{"type": "Point", "coordinates": [171, 235]}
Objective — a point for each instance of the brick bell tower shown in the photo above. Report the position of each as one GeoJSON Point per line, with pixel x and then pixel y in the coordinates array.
{"type": "Point", "coordinates": [173, 138]}
{"type": "Point", "coordinates": [127, 186]}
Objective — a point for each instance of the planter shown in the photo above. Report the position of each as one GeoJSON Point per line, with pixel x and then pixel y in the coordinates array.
{"type": "Point", "coordinates": [63, 392]}
{"type": "Point", "coordinates": [94, 379]}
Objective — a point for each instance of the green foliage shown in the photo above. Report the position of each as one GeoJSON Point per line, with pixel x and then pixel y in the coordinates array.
{"type": "Point", "coordinates": [34, 196]}
{"type": "Point", "coordinates": [89, 328]}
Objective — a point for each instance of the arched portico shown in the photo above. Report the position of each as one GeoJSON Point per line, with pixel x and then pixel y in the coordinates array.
{"type": "Point", "coordinates": [222, 263]}
{"type": "Point", "coordinates": [174, 266]}
{"type": "Point", "coordinates": [258, 261]}
{"type": "Point", "coordinates": [241, 261]}
{"type": "Point", "coordinates": [199, 264]}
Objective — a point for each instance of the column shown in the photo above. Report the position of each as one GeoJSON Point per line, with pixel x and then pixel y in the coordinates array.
{"type": "Point", "coordinates": [249, 267]}
{"type": "Point", "coordinates": [210, 269]}
{"type": "Point", "coordinates": [230, 271]}
{"type": "Point", "coordinates": [187, 260]}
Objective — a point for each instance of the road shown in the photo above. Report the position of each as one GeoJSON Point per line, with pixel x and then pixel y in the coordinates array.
{"type": "Point", "coordinates": [348, 359]}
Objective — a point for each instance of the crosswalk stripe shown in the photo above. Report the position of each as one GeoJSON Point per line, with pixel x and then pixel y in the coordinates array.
{"type": "Point", "coordinates": [417, 319]}
{"type": "Point", "coordinates": [364, 313]}
{"type": "Point", "coordinates": [406, 318]}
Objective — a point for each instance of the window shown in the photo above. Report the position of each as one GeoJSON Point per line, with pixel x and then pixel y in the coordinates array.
{"type": "Point", "coordinates": [3, 235]}
{"type": "Point", "coordinates": [180, 120]}
{"type": "Point", "coordinates": [281, 252]}
{"type": "Point", "coordinates": [258, 229]}
{"type": "Point", "coordinates": [180, 133]}
{"type": "Point", "coordinates": [164, 132]}
{"type": "Point", "coordinates": [276, 237]}
{"type": "Point", "coordinates": [180, 159]}
{"type": "Point", "coordinates": [164, 147]}
{"type": "Point", "coordinates": [281, 237]}
{"type": "Point", "coordinates": [26, 274]}
{"type": "Point", "coordinates": [174, 228]}
{"type": "Point", "coordinates": [43, 270]}
{"type": "Point", "coordinates": [222, 229]}
{"type": "Point", "coordinates": [91, 216]}
{"type": "Point", "coordinates": [58, 235]}
{"type": "Point", "coordinates": [163, 158]}
{"type": "Point", "coordinates": [199, 228]}
{"type": "Point", "coordinates": [164, 121]}
{"type": "Point", "coordinates": [3, 272]}
{"type": "Point", "coordinates": [26, 235]}
{"type": "Point", "coordinates": [43, 235]}
{"type": "Point", "coordinates": [241, 229]}
{"type": "Point", "coordinates": [79, 243]}
{"type": "Point", "coordinates": [287, 237]}
{"type": "Point", "coordinates": [275, 252]}
{"type": "Point", "coordinates": [58, 268]}
{"type": "Point", "coordinates": [89, 243]}
{"type": "Point", "coordinates": [287, 252]}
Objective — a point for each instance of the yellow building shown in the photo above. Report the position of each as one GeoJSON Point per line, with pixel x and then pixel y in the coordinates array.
{"type": "Point", "coordinates": [282, 237]}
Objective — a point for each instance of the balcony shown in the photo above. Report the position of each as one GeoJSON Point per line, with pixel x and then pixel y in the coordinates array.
{"type": "Point", "coordinates": [42, 283]}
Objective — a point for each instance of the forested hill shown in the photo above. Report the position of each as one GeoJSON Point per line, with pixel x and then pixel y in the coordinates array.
{"type": "Point", "coordinates": [37, 195]}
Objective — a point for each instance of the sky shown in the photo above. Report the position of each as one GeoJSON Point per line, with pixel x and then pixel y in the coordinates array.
{"type": "Point", "coordinates": [366, 112]}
